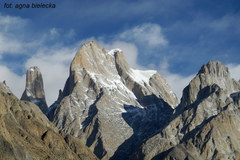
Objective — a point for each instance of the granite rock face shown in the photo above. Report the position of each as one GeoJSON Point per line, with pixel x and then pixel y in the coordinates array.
{"type": "Point", "coordinates": [27, 134]}
{"type": "Point", "coordinates": [109, 105]}
{"type": "Point", "coordinates": [209, 74]}
{"type": "Point", "coordinates": [205, 125]}
{"type": "Point", "coordinates": [34, 90]}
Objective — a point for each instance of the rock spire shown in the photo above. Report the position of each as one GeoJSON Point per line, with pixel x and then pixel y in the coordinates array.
{"type": "Point", "coordinates": [34, 90]}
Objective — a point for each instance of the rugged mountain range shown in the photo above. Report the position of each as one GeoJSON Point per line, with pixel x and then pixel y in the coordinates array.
{"type": "Point", "coordinates": [124, 113]}
{"type": "Point", "coordinates": [206, 124]}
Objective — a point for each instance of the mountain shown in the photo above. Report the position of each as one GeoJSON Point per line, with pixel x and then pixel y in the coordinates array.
{"type": "Point", "coordinates": [108, 110]}
{"type": "Point", "coordinates": [110, 106]}
{"type": "Point", "coordinates": [205, 125]}
{"type": "Point", "coordinates": [27, 134]}
{"type": "Point", "coordinates": [34, 90]}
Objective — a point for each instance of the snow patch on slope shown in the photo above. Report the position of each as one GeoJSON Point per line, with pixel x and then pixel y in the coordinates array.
{"type": "Point", "coordinates": [113, 51]}
{"type": "Point", "coordinates": [112, 84]}
{"type": "Point", "coordinates": [141, 77]}
{"type": "Point", "coordinates": [31, 69]}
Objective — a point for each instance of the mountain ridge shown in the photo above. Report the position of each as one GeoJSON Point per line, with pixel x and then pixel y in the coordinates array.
{"type": "Point", "coordinates": [100, 78]}
{"type": "Point", "coordinates": [120, 112]}
{"type": "Point", "coordinates": [205, 99]}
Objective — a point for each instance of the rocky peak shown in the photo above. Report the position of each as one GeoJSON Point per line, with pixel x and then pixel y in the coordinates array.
{"type": "Point", "coordinates": [34, 90]}
{"type": "Point", "coordinates": [102, 65]}
{"type": "Point", "coordinates": [143, 83]}
{"type": "Point", "coordinates": [214, 68]}
{"type": "Point", "coordinates": [104, 96]}
{"type": "Point", "coordinates": [203, 126]}
{"type": "Point", "coordinates": [92, 58]}
{"type": "Point", "coordinates": [207, 95]}
{"type": "Point", "coordinates": [213, 72]}
{"type": "Point", "coordinates": [5, 88]}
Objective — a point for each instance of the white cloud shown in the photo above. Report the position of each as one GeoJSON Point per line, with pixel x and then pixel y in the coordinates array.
{"type": "Point", "coordinates": [176, 81]}
{"type": "Point", "coordinates": [12, 30]}
{"type": "Point", "coordinates": [11, 23]}
{"type": "Point", "coordinates": [14, 81]}
{"type": "Point", "coordinates": [70, 34]}
{"type": "Point", "coordinates": [234, 71]}
{"type": "Point", "coordinates": [10, 45]}
{"type": "Point", "coordinates": [148, 34]}
{"type": "Point", "coordinates": [227, 22]}
{"type": "Point", "coordinates": [54, 32]}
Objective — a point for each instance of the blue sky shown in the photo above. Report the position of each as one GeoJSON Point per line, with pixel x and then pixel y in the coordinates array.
{"type": "Point", "coordinates": [174, 37]}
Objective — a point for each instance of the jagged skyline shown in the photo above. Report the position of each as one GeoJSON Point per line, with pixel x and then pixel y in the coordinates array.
{"type": "Point", "coordinates": [172, 37]}
{"type": "Point", "coordinates": [123, 113]}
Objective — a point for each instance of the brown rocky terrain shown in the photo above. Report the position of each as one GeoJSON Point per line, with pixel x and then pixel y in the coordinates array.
{"type": "Point", "coordinates": [27, 134]}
